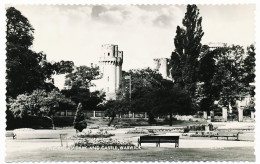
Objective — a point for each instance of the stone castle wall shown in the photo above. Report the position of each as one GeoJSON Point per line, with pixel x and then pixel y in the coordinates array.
{"type": "Point", "coordinates": [110, 64]}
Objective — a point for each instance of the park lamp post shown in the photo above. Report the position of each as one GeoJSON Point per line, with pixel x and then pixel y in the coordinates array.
{"type": "Point", "coordinates": [129, 78]}
{"type": "Point", "coordinates": [130, 96]}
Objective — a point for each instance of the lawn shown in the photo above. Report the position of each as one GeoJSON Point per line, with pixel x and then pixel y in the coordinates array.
{"type": "Point", "coordinates": [34, 148]}
{"type": "Point", "coordinates": [146, 154]}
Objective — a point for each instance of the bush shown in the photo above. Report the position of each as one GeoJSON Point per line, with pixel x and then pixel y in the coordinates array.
{"type": "Point", "coordinates": [28, 122]}
{"type": "Point", "coordinates": [79, 121]}
{"type": "Point", "coordinates": [186, 130]}
{"type": "Point", "coordinates": [89, 134]}
{"type": "Point", "coordinates": [99, 144]}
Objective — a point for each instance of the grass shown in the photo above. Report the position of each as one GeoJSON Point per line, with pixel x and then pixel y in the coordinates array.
{"type": "Point", "coordinates": [45, 149]}
{"type": "Point", "coordinates": [136, 122]}
{"type": "Point", "coordinates": [146, 154]}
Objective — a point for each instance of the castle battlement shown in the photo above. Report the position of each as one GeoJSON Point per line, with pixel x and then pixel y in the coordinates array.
{"type": "Point", "coordinates": [110, 64]}
{"type": "Point", "coordinates": [162, 66]}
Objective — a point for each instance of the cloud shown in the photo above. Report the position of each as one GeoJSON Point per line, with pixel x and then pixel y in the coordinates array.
{"type": "Point", "coordinates": [162, 16]}
{"type": "Point", "coordinates": [143, 32]}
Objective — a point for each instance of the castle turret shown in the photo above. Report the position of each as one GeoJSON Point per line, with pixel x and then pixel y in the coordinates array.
{"type": "Point", "coordinates": [110, 64]}
{"type": "Point", "coordinates": [162, 66]}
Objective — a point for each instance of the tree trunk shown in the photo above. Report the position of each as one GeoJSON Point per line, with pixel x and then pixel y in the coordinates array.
{"type": "Point", "coordinates": [52, 122]}
{"type": "Point", "coordinates": [170, 123]}
{"type": "Point", "coordinates": [111, 120]}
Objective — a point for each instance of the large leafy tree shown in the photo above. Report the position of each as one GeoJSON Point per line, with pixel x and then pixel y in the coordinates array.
{"type": "Point", "coordinates": [169, 101]}
{"type": "Point", "coordinates": [114, 107]}
{"type": "Point", "coordinates": [147, 87]}
{"type": "Point", "coordinates": [184, 60]}
{"type": "Point", "coordinates": [143, 82]}
{"type": "Point", "coordinates": [229, 74]}
{"type": "Point", "coordinates": [27, 70]}
{"type": "Point", "coordinates": [207, 70]}
{"type": "Point", "coordinates": [39, 103]}
{"type": "Point", "coordinates": [78, 83]}
{"type": "Point", "coordinates": [249, 67]}
{"type": "Point", "coordinates": [249, 76]}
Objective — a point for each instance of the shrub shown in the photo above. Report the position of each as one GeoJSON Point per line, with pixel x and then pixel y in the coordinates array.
{"type": "Point", "coordinates": [79, 120]}
{"type": "Point", "coordinates": [89, 134]}
{"type": "Point", "coordinates": [99, 144]}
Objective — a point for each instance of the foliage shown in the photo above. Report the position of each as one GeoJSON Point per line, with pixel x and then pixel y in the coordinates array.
{"type": "Point", "coordinates": [229, 74]}
{"type": "Point", "coordinates": [169, 101]}
{"type": "Point", "coordinates": [143, 82]}
{"type": "Point", "coordinates": [90, 134]}
{"type": "Point", "coordinates": [154, 95]}
{"type": "Point", "coordinates": [137, 131]}
{"type": "Point", "coordinates": [207, 70]}
{"type": "Point", "coordinates": [113, 107]}
{"type": "Point", "coordinates": [27, 70]}
{"type": "Point", "coordinates": [79, 120]}
{"type": "Point", "coordinates": [249, 76]}
{"type": "Point", "coordinates": [19, 30]}
{"type": "Point", "coordinates": [78, 83]}
{"type": "Point", "coordinates": [110, 144]}
{"type": "Point", "coordinates": [249, 66]}
{"type": "Point", "coordinates": [89, 100]}
{"type": "Point", "coordinates": [39, 103]}
{"type": "Point", "coordinates": [184, 60]}
{"type": "Point", "coordinates": [81, 77]}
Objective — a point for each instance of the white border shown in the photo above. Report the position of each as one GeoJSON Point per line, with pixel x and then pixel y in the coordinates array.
{"type": "Point", "coordinates": [122, 2]}
{"type": "Point", "coordinates": [212, 2]}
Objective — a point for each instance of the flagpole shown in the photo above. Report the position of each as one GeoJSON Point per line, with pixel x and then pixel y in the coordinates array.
{"type": "Point", "coordinates": [130, 90]}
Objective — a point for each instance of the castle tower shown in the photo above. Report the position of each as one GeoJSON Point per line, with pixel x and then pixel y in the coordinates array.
{"type": "Point", "coordinates": [162, 66]}
{"type": "Point", "coordinates": [110, 64]}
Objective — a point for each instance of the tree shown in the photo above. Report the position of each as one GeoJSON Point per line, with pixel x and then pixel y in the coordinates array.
{"type": "Point", "coordinates": [229, 75]}
{"type": "Point", "coordinates": [113, 107]}
{"type": "Point", "coordinates": [19, 30]}
{"type": "Point", "coordinates": [249, 76]}
{"type": "Point", "coordinates": [154, 95]}
{"type": "Point", "coordinates": [78, 83]}
{"type": "Point", "coordinates": [81, 77]}
{"type": "Point", "coordinates": [184, 60]}
{"type": "Point", "coordinates": [89, 100]}
{"type": "Point", "coordinates": [207, 70]}
{"type": "Point", "coordinates": [79, 120]}
{"type": "Point", "coordinates": [27, 70]}
{"type": "Point", "coordinates": [143, 82]}
{"type": "Point", "coordinates": [39, 103]}
{"type": "Point", "coordinates": [171, 101]}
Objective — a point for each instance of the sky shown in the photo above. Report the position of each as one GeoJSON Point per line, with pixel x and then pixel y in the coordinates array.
{"type": "Point", "coordinates": [143, 32]}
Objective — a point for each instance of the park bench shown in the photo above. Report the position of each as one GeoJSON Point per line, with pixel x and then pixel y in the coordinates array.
{"type": "Point", "coordinates": [158, 140]}
{"type": "Point", "coordinates": [227, 136]}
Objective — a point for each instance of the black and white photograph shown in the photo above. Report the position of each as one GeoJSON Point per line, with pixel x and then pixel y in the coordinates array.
{"type": "Point", "coordinates": [130, 83]}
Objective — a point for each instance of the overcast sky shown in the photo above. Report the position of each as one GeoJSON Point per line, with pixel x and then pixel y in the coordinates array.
{"type": "Point", "coordinates": [143, 32]}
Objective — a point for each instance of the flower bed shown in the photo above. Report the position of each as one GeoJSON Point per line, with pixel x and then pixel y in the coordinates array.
{"type": "Point", "coordinates": [90, 134]}
{"type": "Point", "coordinates": [176, 130]}
{"type": "Point", "coordinates": [107, 128]}
{"type": "Point", "coordinates": [123, 126]}
{"type": "Point", "coordinates": [101, 144]}
{"type": "Point", "coordinates": [137, 131]}
{"type": "Point", "coordinates": [93, 127]}
{"type": "Point", "coordinates": [202, 135]}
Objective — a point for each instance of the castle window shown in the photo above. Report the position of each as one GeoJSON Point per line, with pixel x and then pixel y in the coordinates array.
{"type": "Point", "coordinates": [108, 78]}
{"type": "Point", "coordinates": [108, 54]}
